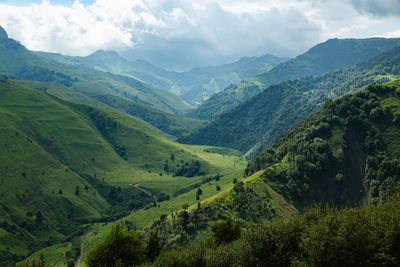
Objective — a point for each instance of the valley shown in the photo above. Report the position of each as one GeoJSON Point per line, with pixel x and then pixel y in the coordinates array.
{"type": "Point", "coordinates": [265, 160]}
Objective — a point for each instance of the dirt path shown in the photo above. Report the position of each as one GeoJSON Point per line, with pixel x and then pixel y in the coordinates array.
{"type": "Point", "coordinates": [148, 192]}
{"type": "Point", "coordinates": [83, 248]}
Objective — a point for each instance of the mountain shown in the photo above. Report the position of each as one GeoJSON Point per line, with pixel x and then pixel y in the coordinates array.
{"type": "Point", "coordinates": [16, 60]}
{"type": "Point", "coordinates": [258, 122]}
{"type": "Point", "coordinates": [195, 85]}
{"type": "Point", "coordinates": [65, 165]}
{"type": "Point", "coordinates": [345, 155]}
{"type": "Point", "coordinates": [322, 58]}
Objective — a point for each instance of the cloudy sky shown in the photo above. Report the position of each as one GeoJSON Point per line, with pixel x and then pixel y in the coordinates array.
{"type": "Point", "coordinates": [181, 34]}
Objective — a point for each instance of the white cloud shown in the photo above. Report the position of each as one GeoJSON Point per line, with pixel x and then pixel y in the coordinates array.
{"type": "Point", "coordinates": [183, 33]}
{"type": "Point", "coordinates": [392, 34]}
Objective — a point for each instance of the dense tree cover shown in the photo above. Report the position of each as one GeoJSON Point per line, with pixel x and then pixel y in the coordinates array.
{"type": "Point", "coordinates": [124, 247]}
{"type": "Point", "coordinates": [324, 57]}
{"type": "Point", "coordinates": [258, 122]}
{"type": "Point", "coordinates": [121, 247]}
{"type": "Point", "coordinates": [225, 231]}
{"type": "Point", "coordinates": [346, 152]}
{"type": "Point", "coordinates": [367, 236]}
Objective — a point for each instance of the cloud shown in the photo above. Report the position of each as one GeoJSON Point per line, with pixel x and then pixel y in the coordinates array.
{"type": "Point", "coordinates": [379, 8]}
{"type": "Point", "coordinates": [179, 34]}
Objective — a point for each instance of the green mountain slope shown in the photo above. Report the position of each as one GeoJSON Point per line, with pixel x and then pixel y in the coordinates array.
{"type": "Point", "coordinates": [65, 164]}
{"type": "Point", "coordinates": [16, 60]}
{"type": "Point", "coordinates": [258, 122]}
{"type": "Point", "coordinates": [195, 85]}
{"type": "Point", "coordinates": [322, 58]}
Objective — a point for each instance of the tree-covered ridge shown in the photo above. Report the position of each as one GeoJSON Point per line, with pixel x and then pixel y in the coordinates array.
{"type": "Point", "coordinates": [322, 58]}
{"type": "Point", "coordinates": [258, 122]}
{"type": "Point", "coordinates": [344, 154]}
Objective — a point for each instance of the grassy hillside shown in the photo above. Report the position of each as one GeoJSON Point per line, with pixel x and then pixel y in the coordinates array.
{"type": "Point", "coordinates": [322, 58]}
{"type": "Point", "coordinates": [65, 164]}
{"type": "Point", "coordinates": [195, 85]}
{"type": "Point", "coordinates": [258, 122]}
{"type": "Point", "coordinates": [16, 60]}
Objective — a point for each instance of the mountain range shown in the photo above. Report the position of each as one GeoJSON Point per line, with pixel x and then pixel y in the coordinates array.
{"type": "Point", "coordinates": [195, 85]}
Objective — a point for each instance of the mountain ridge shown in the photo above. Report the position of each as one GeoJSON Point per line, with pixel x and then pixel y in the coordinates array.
{"type": "Point", "coordinates": [321, 58]}
{"type": "Point", "coordinates": [256, 123]}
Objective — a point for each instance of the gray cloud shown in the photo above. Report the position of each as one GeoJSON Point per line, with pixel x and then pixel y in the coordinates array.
{"type": "Point", "coordinates": [379, 8]}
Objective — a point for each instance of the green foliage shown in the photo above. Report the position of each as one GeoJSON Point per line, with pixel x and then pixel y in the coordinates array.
{"type": "Point", "coordinates": [120, 248]}
{"type": "Point", "coordinates": [153, 246]}
{"type": "Point", "coordinates": [225, 231]}
{"type": "Point", "coordinates": [189, 169]}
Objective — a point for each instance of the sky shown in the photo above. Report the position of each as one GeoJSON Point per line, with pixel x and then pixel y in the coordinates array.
{"type": "Point", "coordinates": [182, 34]}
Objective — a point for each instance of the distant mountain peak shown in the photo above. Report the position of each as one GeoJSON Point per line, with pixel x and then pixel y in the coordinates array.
{"type": "Point", "coordinates": [109, 53]}
{"type": "Point", "coordinates": [3, 33]}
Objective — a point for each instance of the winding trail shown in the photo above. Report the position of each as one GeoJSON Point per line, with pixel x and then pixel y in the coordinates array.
{"type": "Point", "coordinates": [83, 248]}
{"type": "Point", "coordinates": [148, 192]}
